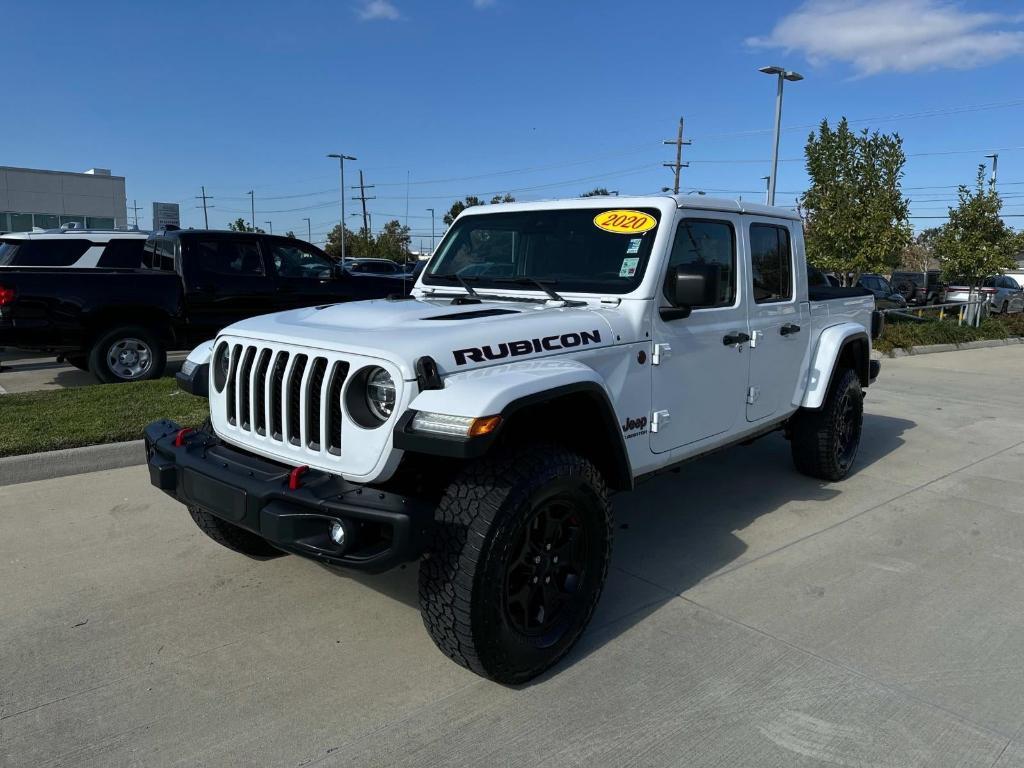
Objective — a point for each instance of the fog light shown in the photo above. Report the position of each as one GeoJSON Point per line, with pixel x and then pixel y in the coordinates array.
{"type": "Point", "coordinates": [338, 534]}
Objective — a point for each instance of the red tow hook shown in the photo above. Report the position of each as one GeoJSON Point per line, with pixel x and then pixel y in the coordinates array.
{"type": "Point", "coordinates": [179, 439]}
{"type": "Point", "coordinates": [295, 477]}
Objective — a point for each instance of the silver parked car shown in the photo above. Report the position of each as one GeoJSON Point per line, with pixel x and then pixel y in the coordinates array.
{"type": "Point", "coordinates": [1003, 293]}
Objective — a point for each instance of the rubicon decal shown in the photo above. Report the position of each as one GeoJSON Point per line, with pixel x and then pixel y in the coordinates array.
{"type": "Point", "coordinates": [525, 347]}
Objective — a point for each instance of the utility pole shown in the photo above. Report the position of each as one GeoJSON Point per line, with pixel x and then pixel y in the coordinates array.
{"type": "Point", "coordinates": [678, 165]}
{"type": "Point", "coordinates": [135, 208]}
{"type": "Point", "coordinates": [204, 197]}
{"type": "Point", "coordinates": [309, 230]}
{"type": "Point", "coordinates": [252, 203]}
{"type": "Point", "coordinates": [431, 230]}
{"type": "Point", "coordinates": [363, 198]}
{"type": "Point", "coordinates": [995, 167]}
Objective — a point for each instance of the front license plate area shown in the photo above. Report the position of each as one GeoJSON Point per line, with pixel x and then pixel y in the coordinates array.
{"type": "Point", "coordinates": [221, 499]}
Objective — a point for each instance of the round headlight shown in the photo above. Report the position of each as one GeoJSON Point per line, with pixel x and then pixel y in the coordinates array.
{"type": "Point", "coordinates": [221, 366]}
{"type": "Point", "coordinates": [380, 393]}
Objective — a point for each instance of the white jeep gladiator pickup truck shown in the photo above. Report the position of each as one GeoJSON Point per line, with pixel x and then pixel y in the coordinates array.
{"type": "Point", "coordinates": [551, 354]}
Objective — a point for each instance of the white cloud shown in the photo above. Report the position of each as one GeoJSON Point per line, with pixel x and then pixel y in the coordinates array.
{"type": "Point", "coordinates": [896, 35]}
{"type": "Point", "coordinates": [374, 10]}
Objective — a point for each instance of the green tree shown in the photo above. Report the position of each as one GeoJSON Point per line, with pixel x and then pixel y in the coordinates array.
{"type": "Point", "coordinates": [506, 198]}
{"type": "Point", "coordinates": [459, 206]}
{"type": "Point", "coordinates": [596, 192]}
{"type": "Point", "coordinates": [393, 241]}
{"type": "Point", "coordinates": [976, 242]}
{"type": "Point", "coordinates": [239, 225]}
{"type": "Point", "coordinates": [289, 233]}
{"type": "Point", "coordinates": [333, 246]}
{"type": "Point", "coordinates": [919, 255]}
{"type": "Point", "coordinates": [857, 219]}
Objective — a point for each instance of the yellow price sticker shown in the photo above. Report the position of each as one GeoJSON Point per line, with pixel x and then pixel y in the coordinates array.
{"type": "Point", "coordinates": [625, 221]}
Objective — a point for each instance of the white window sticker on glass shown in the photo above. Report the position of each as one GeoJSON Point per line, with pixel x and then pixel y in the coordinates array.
{"type": "Point", "coordinates": [634, 245]}
{"type": "Point", "coordinates": [628, 268]}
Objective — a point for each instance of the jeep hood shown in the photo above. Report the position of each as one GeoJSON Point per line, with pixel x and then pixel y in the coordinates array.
{"type": "Point", "coordinates": [458, 337]}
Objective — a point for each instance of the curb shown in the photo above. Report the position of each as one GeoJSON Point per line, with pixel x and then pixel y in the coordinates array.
{"type": "Point", "coordinates": [70, 461]}
{"type": "Point", "coordinates": [932, 348]}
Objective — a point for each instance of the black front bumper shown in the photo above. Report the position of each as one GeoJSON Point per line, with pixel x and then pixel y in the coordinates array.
{"type": "Point", "coordinates": [383, 529]}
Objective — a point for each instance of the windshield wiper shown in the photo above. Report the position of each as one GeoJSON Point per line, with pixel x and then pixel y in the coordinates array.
{"type": "Point", "coordinates": [463, 281]}
{"type": "Point", "coordinates": [539, 284]}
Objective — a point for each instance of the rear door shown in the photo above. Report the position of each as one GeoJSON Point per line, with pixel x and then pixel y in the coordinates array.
{"type": "Point", "coordinates": [226, 280]}
{"type": "Point", "coordinates": [700, 375]}
{"type": "Point", "coordinates": [779, 323]}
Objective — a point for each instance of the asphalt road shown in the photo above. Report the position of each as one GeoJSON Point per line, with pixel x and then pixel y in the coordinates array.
{"type": "Point", "coordinates": [22, 371]}
{"type": "Point", "coordinates": [753, 617]}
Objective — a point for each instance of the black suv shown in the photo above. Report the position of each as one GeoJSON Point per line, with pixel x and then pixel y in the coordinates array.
{"type": "Point", "coordinates": [919, 287]}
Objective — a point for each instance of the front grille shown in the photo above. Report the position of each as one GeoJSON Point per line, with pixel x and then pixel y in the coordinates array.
{"type": "Point", "coordinates": [288, 399]}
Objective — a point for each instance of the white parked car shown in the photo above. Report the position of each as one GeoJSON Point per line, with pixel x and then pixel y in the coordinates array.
{"type": "Point", "coordinates": [551, 354]}
{"type": "Point", "coordinates": [1002, 292]}
{"type": "Point", "coordinates": [76, 248]}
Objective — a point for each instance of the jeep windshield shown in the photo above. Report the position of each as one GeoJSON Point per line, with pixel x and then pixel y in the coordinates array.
{"type": "Point", "coordinates": [584, 250]}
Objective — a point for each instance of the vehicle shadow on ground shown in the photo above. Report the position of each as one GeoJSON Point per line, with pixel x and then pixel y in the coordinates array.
{"type": "Point", "coordinates": [69, 377]}
{"type": "Point", "coordinates": [678, 529]}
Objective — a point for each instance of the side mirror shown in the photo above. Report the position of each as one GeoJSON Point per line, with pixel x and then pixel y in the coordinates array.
{"type": "Point", "coordinates": [689, 286]}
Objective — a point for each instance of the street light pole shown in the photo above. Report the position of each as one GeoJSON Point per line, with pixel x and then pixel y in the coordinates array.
{"type": "Point", "coordinates": [270, 226]}
{"type": "Point", "coordinates": [341, 166]}
{"type": "Point", "coordinates": [309, 230]}
{"type": "Point", "coordinates": [783, 74]}
{"type": "Point", "coordinates": [431, 231]}
{"type": "Point", "coordinates": [252, 203]}
{"type": "Point", "coordinates": [767, 191]}
{"type": "Point", "coordinates": [995, 167]}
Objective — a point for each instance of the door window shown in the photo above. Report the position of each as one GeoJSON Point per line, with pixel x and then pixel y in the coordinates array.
{"type": "Point", "coordinates": [771, 263]}
{"type": "Point", "coordinates": [122, 253]}
{"type": "Point", "coordinates": [291, 260]}
{"type": "Point", "coordinates": [235, 258]}
{"type": "Point", "coordinates": [705, 242]}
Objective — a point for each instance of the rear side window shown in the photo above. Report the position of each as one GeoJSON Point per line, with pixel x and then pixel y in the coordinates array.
{"type": "Point", "coordinates": [45, 253]}
{"type": "Point", "coordinates": [122, 253]}
{"type": "Point", "coordinates": [701, 243]}
{"type": "Point", "coordinates": [229, 257]}
{"type": "Point", "coordinates": [771, 263]}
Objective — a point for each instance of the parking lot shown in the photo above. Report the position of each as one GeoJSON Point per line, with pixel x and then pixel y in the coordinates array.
{"type": "Point", "coordinates": [752, 616]}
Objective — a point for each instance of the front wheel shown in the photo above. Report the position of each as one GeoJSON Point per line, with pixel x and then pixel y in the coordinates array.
{"type": "Point", "coordinates": [521, 551]}
{"type": "Point", "coordinates": [124, 354]}
{"type": "Point", "coordinates": [232, 537]}
{"type": "Point", "coordinates": [825, 442]}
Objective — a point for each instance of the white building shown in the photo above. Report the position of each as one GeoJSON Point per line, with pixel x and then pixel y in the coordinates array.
{"type": "Point", "coordinates": [34, 198]}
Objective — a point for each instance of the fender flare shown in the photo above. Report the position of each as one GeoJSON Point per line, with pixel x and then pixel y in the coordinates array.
{"type": "Point", "coordinates": [507, 391]}
{"type": "Point", "coordinates": [194, 376]}
{"type": "Point", "coordinates": [831, 344]}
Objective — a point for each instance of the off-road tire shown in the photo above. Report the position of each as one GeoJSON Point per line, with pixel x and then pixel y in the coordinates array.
{"type": "Point", "coordinates": [100, 368]}
{"type": "Point", "coordinates": [231, 536]}
{"type": "Point", "coordinates": [818, 437]}
{"type": "Point", "coordinates": [81, 362]}
{"type": "Point", "coordinates": [484, 522]}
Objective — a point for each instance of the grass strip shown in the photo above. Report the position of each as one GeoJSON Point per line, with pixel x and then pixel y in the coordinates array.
{"type": "Point", "coordinates": [106, 413]}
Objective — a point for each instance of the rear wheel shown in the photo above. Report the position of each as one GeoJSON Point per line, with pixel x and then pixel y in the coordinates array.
{"type": "Point", "coordinates": [518, 563]}
{"type": "Point", "coordinates": [825, 442]}
{"type": "Point", "coordinates": [81, 362]}
{"type": "Point", "coordinates": [129, 353]}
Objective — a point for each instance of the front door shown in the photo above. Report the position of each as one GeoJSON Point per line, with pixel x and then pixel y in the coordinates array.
{"type": "Point", "coordinates": [779, 325]}
{"type": "Point", "coordinates": [226, 281]}
{"type": "Point", "coordinates": [701, 372]}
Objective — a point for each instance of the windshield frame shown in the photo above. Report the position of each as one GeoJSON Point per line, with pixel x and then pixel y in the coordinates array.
{"type": "Point", "coordinates": [436, 275]}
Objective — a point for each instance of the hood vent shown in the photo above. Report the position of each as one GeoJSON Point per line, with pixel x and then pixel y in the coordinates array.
{"type": "Point", "coordinates": [474, 314]}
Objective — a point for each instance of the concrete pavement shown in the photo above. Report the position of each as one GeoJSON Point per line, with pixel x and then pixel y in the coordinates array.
{"type": "Point", "coordinates": [753, 617]}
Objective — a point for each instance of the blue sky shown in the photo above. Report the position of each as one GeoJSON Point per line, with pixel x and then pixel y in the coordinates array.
{"type": "Point", "coordinates": [542, 99]}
